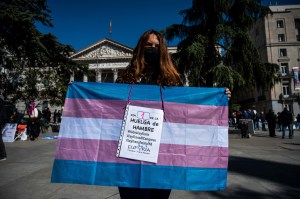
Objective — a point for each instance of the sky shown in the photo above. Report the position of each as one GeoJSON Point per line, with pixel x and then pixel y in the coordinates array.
{"type": "Point", "coordinates": [80, 23]}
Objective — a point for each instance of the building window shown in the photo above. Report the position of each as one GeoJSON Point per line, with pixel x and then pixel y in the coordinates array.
{"type": "Point", "coordinates": [282, 52]}
{"type": "Point", "coordinates": [279, 23]}
{"type": "Point", "coordinates": [120, 72]}
{"type": "Point", "coordinates": [297, 24]}
{"type": "Point", "coordinates": [91, 76]}
{"type": "Point", "coordinates": [286, 89]}
{"type": "Point", "coordinates": [78, 76]}
{"type": "Point", "coordinates": [284, 69]}
{"type": "Point", "coordinates": [107, 76]}
{"type": "Point", "coordinates": [281, 38]}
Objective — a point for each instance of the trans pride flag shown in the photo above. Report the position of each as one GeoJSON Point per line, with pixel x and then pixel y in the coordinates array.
{"type": "Point", "coordinates": [193, 153]}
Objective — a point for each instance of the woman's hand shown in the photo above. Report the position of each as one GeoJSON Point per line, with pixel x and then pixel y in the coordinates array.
{"type": "Point", "coordinates": [70, 82]}
{"type": "Point", "coordinates": [228, 92]}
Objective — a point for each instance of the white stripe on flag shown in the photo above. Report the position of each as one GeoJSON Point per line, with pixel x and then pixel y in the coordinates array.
{"type": "Point", "coordinates": [172, 133]}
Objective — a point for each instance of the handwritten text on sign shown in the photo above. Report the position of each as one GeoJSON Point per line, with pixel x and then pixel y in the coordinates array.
{"type": "Point", "coordinates": [142, 133]}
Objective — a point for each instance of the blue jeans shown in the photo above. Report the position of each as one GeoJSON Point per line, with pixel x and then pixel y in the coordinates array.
{"type": "Point", "coordinates": [256, 125]}
{"type": "Point", "coordinates": [263, 125]}
{"type": "Point", "coordinates": [290, 127]}
{"type": "Point", "coordinates": [298, 125]}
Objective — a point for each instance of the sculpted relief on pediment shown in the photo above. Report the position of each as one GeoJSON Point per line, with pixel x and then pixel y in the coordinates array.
{"type": "Point", "coordinates": [106, 51]}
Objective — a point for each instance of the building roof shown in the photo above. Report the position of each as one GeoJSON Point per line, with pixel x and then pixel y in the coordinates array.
{"type": "Point", "coordinates": [284, 8]}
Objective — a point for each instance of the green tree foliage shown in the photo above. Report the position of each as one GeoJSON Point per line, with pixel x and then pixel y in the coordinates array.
{"type": "Point", "coordinates": [33, 65]}
{"type": "Point", "coordinates": [215, 48]}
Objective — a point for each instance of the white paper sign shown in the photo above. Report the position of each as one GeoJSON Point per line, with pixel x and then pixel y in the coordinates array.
{"type": "Point", "coordinates": [9, 132]}
{"type": "Point", "coordinates": [141, 133]}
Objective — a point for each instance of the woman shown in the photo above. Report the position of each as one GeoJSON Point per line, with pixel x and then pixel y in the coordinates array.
{"type": "Point", "coordinates": [151, 64]}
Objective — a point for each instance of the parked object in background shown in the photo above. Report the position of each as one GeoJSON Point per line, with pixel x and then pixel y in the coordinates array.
{"type": "Point", "coordinates": [55, 127]}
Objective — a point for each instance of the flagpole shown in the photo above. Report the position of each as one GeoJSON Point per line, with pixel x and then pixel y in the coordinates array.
{"type": "Point", "coordinates": [110, 28]}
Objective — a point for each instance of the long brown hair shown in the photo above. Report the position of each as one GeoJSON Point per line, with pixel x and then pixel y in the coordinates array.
{"type": "Point", "coordinates": [168, 76]}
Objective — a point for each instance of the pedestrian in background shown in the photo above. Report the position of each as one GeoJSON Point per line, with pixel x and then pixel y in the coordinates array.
{"type": "Point", "coordinates": [48, 115]}
{"type": "Point", "coordinates": [298, 121]}
{"type": "Point", "coordinates": [287, 122]}
{"type": "Point", "coordinates": [279, 122]}
{"type": "Point", "coordinates": [33, 127]}
{"type": "Point", "coordinates": [58, 116]}
{"type": "Point", "coordinates": [256, 120]}
{"type": "Point", "coordinates": [55, 116]}
{"type": "Point", "coordinates": [239, 115]}
{"type": "Point", "coordinates": [3, 120]}
{"type": "Point", "coordinates": [263, 121]}
{"type": "Point", "coordinates": [244, 129]}
{"type": "Point", "coordinates": [271, 119]}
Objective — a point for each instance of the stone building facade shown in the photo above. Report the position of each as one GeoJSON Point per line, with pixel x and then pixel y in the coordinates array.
{"type": "Point", "coordinates": [105, 60]}
{"type": "Point", "coordinates": [277, 38]}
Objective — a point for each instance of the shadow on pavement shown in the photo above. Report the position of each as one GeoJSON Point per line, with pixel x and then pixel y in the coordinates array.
{"type": "Point", "coordinates": [242, 193]}
{"type": "Point", "coordinates": [286, 174]}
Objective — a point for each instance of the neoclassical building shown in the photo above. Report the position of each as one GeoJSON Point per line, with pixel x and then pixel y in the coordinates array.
{"type": "Point", "coordinates": [105, 59]}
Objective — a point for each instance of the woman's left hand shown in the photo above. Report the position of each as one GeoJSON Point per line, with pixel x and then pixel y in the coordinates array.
{"type": "Point", "coordinates": [228, 92]}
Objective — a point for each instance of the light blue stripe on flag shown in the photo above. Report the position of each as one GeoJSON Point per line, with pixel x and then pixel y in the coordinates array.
{"type": "Point", "coordinates": [143, 176]}
{"type": "Point", "coordinates": [114, 91]}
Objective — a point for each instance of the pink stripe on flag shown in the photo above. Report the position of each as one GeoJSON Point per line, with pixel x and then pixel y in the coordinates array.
{"type": "Point", "coordinates": [174, 112]}
{"type": "Point", "coordinates": [169, 154]}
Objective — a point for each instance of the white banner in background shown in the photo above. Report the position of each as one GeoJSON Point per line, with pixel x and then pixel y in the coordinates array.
{"type": "Point", "coordinates": [9, 132]}
{"type": "Point", "coordinates": [296, 78]}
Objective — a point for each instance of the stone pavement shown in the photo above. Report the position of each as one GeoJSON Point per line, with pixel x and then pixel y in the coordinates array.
{"type": "Point", "coordinates": [259, 167]}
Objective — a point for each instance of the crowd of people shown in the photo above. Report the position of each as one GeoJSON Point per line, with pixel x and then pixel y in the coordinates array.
{"type": "Point", "coordinates": [37, 121]}
{"type": "Point", "coordinates": [281, 121]}
{"type": "Point", "coordinates": [57, 115]}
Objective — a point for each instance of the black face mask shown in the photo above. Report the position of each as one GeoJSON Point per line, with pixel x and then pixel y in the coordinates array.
{"type": "Point", "coordinates": [151, 56]}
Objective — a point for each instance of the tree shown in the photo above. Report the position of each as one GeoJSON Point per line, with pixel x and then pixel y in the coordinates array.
{"type": "Point", "coordinates": [215, 48]}
{"type": "Point", "coordinates": [33, 65]}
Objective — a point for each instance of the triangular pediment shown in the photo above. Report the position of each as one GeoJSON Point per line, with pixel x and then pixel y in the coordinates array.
{"type": "Point", "coordinates": [104, 49]}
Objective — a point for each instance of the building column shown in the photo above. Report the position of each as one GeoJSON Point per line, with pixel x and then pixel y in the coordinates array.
{"type": "Point", "coordinates": [72, 77]}
{"type": "Point", "coordinates": [115, 71]}
{"type": "Point", "coordinates": [98, 75]}
{"type": "Point", "coordinates": [85, 78]}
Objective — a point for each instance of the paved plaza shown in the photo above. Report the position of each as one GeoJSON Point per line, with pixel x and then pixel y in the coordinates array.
{"type": "Point", "coordinates": [259, 167]}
